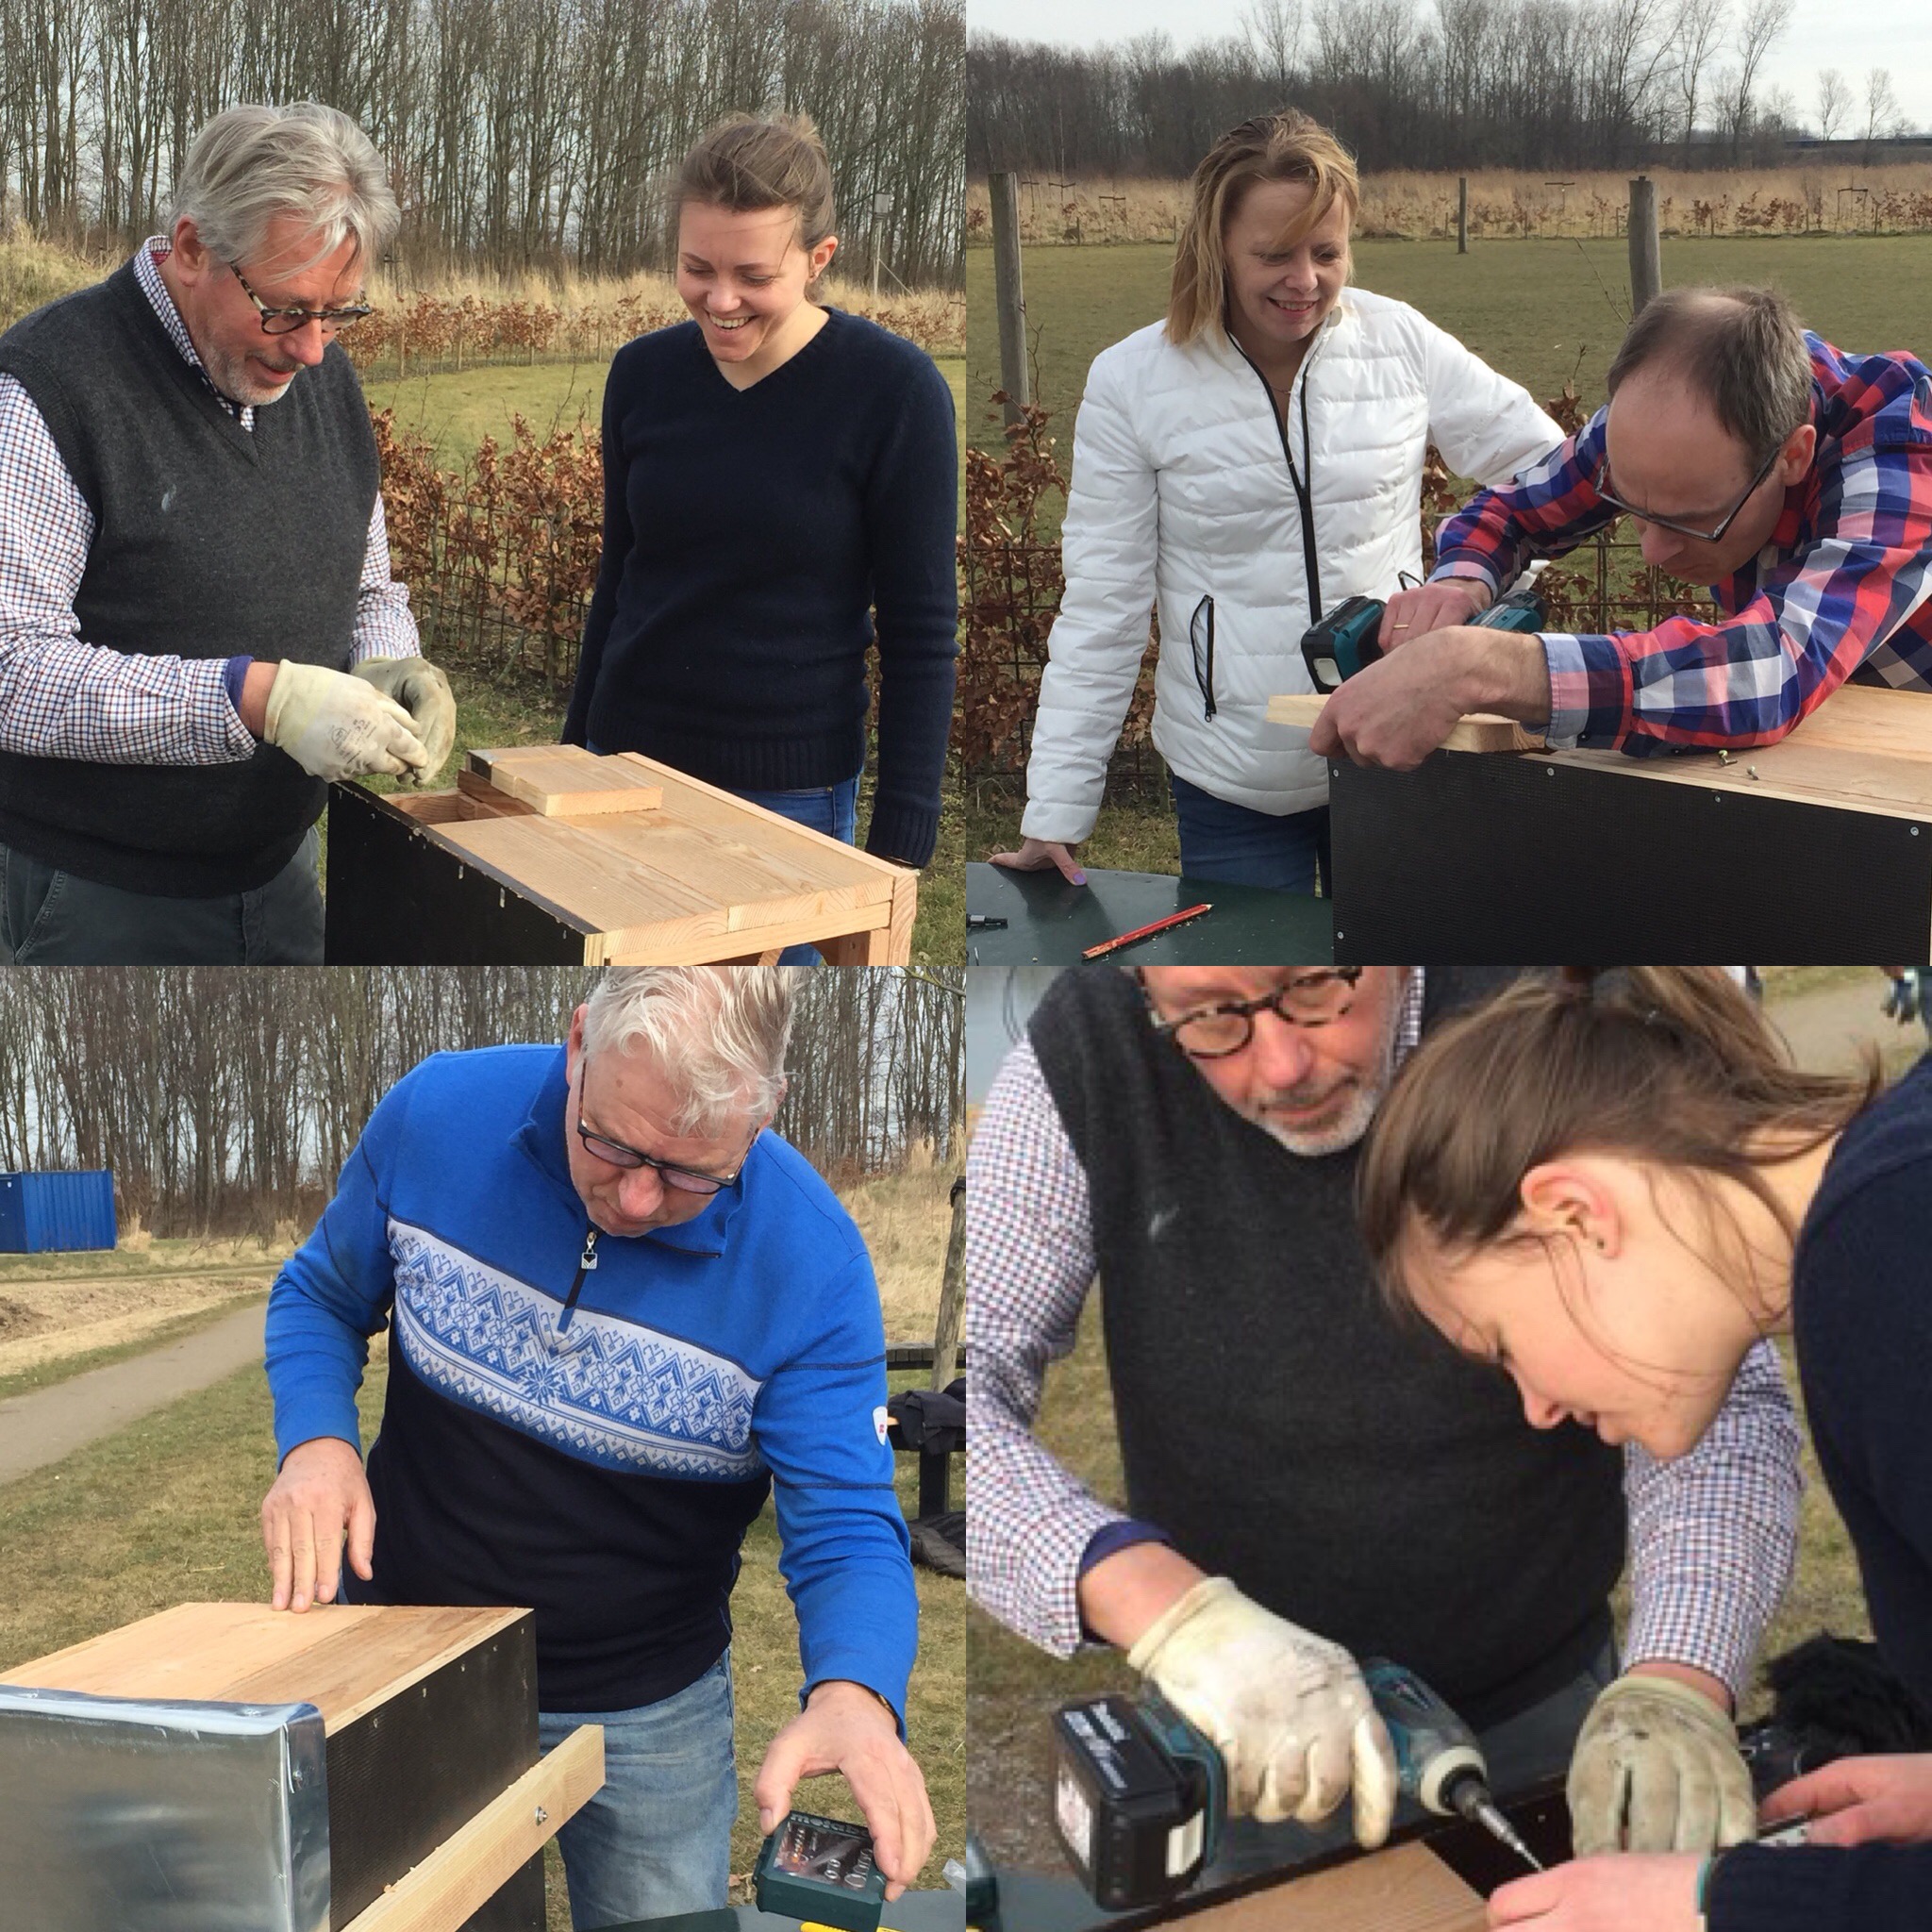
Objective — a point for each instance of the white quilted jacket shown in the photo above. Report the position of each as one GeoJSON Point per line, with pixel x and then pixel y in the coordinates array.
{"type": "Point", "coordinates": [1180, 491]}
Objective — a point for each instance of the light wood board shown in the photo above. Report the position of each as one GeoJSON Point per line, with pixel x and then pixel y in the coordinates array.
{"type": "Point", "coordinates": [479, 1858]}
{"type": "Point", "coordinates": [1479, 731]}
{"type": "Point", "coordinates": [562, 781]}
{"type": "Point", "coordinates": [703, 877]}
{"type": "Point", "coordinates": [1407, 1888]}
{"type": "Point", "coordinates": [344, 1658]}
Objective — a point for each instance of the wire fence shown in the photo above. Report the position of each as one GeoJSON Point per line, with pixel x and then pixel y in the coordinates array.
{"type": "Point", "coordinates": [1011, 584]}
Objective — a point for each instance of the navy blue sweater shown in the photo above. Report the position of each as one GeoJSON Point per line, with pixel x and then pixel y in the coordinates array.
{"type": "Point", "coordinates": [599, 1459]}
{"type": "Point", "coordinates": [1861, 1316]}
{"type": "Point", "coordinates": [748, 534]}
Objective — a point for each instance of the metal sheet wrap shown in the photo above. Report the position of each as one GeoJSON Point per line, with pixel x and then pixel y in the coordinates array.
{"type": "Point", "coordinates": [143, 1815]}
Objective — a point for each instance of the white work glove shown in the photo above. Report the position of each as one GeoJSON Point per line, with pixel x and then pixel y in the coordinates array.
{"type": "Point", "coordinates": [423, 692]}
{"type": "Point", "coordinates": [1288, 1710]}
{"type": "Point", "coordinates": [337, 727]}
{"type": "Point", "coordinates": [1656, 1768]}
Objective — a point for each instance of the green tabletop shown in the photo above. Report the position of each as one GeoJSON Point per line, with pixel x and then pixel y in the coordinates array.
{"type": "Point", "coordinates": [1049, 922]}
{"type": "Point", "coordinates": [911, 1911]}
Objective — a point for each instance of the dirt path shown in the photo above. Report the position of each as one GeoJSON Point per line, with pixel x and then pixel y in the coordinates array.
{"type": "Point", "coordinates": [1829, 1027]}
{"type": "Point", "coordinates": [49, 1424]}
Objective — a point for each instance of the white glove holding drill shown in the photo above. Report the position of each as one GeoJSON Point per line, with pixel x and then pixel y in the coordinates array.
{"type": "Point", "coordinates": [1288, 1710]}
{"type": "Point", "coordinates": [1656, 1768]}
{"type": "Point", "coordinates": [337, 727]}
{"type": "Point", "coordinates": [423, 692]}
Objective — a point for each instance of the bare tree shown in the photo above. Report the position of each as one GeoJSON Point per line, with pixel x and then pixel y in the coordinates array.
{"type": "Point", "coordinates": [1881, 107]}
{"type": "Point", "coordinates": [1834, 102]}
{"type": "Point", "coordinates": [1695, 35]}
{"type": "Point", "coordinates": [1762, 25]}
{"type": "Point", "coordinates": [1274, 31]}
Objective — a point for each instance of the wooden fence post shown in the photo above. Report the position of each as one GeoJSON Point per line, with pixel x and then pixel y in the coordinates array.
{"type": "Point", "coordinates": [1462, 214]}
{"type": "Point", "coordinates": [945, 1340]}
{"type": "Point", "coordinates": [1646, 257]}
{"type": "Point", "coordinates": [1004, 189]}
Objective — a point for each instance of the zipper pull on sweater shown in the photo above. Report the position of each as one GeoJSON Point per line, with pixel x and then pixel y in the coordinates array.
{"type": "Point", "coordinates": [585, 1263]}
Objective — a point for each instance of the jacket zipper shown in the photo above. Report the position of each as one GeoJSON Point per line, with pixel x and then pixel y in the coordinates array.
{"type": "Point", "coordinates": [1303, 489]}
{"type": "Point", "coordinates": [585, 1263]}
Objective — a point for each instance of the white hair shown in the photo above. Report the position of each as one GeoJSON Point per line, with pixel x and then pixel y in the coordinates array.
{"type": "Point", "coordinates": [251, 164]}
{"type": "Point", "coordinates": [719, 1034]}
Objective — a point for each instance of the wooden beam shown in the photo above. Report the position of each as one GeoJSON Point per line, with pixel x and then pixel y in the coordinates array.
{"type": "Point", "coordinates": [475, 1861]}
{"type": "Point", "coordinates": [1407, 1888]}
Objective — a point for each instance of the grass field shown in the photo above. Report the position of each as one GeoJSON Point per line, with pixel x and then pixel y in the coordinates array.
{"type": "Point", "coordinates": [1540, 312]}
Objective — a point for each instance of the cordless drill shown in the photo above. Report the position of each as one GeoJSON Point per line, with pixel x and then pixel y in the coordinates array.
{"type": "Point", "coordinates": [1140, 1795]}
{"type": "Point", "coordinates": [1344, 640]}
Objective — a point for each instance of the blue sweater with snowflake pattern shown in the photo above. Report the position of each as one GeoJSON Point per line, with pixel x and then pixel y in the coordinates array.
{"type": "Point", "coordinates": [603, 1468]}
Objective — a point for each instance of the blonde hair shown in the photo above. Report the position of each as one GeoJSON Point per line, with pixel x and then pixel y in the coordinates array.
{"type": "Point", "coordinates": [1672, 1066]}
{"type": "Point", "coordinates": [746, 163]}
{"type": "Point", "coordinates": [1288, 146]}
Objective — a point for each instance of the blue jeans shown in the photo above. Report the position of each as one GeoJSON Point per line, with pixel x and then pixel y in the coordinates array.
{"type": "Point", "coordinates": [1238, 846]}
{"type": "Point", "coordinates": [50, 918]}
{"type": "Point", "coordinates": [657, 1839]}
{"type": "Point", "coordinates": [1522, 1751]}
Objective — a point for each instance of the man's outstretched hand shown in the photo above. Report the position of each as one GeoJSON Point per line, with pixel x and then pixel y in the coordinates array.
{"type": "Point", "coordinates": [844, 1727]}
{"type": "Point", "coordinates": [320, 1498]}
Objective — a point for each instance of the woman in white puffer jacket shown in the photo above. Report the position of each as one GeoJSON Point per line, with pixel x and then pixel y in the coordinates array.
{"type": "Point", "coordinates": [1239, 468]}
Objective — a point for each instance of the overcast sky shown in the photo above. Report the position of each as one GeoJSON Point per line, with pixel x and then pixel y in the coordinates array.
{"type": "Point", "coordinates": [1824, 33]}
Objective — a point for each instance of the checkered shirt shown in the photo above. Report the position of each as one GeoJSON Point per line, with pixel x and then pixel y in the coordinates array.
{"type": "Point", "coordinates": [1843, 582]}
{"type": "Point", "coordinates": [63, 697]}
{"type": "Point", "coordinates": [1712, 1534]}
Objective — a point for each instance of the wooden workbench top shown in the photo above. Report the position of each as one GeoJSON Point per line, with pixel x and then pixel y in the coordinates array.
{"type": "Point", "coordinates": [343, 1658]}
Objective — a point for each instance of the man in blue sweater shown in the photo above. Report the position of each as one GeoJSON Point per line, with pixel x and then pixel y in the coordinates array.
{"type": "Point", "coordinates": [622, 1313]}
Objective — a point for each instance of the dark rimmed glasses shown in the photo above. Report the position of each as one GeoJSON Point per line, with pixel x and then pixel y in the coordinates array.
{"type": "Point", "coordinates": [688, 1180]}
{"type": "Point", "coordinates": [1606, 494]}
{"type": "Point", "coordinates": [1309, 999]}
{"type": "Point", "coordinates": [285, 322]}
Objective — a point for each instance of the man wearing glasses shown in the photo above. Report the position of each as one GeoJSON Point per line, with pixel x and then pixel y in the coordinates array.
{"type": "Point", "coordinates": [621, 1313]}
{"type": "Point", "coordinates": [1793, 480]}
{"type": "Point", "coordinates": [1309, 1482]}
{"type": "Point", "coordinates": [198, 627]}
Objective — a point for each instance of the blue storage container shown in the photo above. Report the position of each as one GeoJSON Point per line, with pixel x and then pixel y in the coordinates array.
{"type": "Point", "coordinates": [42, 1212]}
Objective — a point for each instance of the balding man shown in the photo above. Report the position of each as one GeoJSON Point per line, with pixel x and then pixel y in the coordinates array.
{"type": "Point", "coordinates": [198, 627]}
{"type": "Point", "coordinates": [1794, 480]}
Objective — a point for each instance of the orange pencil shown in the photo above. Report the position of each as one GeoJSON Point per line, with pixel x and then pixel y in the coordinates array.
{"type": "Point", "coordinates": [1143, 932]}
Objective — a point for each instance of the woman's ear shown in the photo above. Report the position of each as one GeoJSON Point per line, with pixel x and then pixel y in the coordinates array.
{"type": "Point", "coordinates": [820, 258]}
{"type": "Point", "coordinates": [1571, 1198]}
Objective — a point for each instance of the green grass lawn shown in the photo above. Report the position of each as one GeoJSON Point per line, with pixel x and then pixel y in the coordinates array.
{"type": "Point", "coordinates": [1541, 312]}
{"type": "Point", "coordinates": [166, 1512]}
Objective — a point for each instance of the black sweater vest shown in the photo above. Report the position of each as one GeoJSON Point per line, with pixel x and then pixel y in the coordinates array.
{"type": "Point", "coordinates": [212, 541]}
{"type": "Point", "coordinates": [1351, 1473]}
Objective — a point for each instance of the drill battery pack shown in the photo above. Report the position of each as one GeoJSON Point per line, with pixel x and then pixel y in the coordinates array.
{"type": "Point", "coordinates": [1138, 1796]}
{"type": "Point", "coordinates": [821, 1870]}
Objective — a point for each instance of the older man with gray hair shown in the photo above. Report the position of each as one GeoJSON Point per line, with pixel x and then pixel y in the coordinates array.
{"type": "Point", "coordinates": [198, 627]}
{"type": "Point", "coordinates": [622, 1313]}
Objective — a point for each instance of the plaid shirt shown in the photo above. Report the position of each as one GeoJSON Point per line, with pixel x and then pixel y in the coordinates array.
{"type": "Point", "coordinates": [1842, 583]}
{"type": "Point", "coordinates": [63, 697]}
{"type": "Point", "coordinates": [1713, 1535]}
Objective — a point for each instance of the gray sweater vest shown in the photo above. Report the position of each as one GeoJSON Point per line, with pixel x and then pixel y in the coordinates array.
{"type": "Point", "coordinates": [1352, 1474]}
{"type": "Point", "coordinates": [212, 541]}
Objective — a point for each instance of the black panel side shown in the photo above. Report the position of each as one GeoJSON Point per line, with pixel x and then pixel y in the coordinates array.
{"type": "Point", "coordinates": [397, 898]}
{"type": "Point", "coordinates": [406, 1775]}
{"type": "Point", "coordinates": [1522, 862]}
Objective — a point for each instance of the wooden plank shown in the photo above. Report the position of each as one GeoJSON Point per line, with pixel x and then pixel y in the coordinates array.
{"type": "Point", "coordinates": [1406, 1888]}
{"type": "Point", "coordinates": [341, 1657]}
{"type": "Point", "coordinates": [566, 781]}
{"type": "Point", "coordinates": [477, 798]}
{"type": "Point", "coordinates": [1867, 718]}
{"type": "Point", "coordinates": [1481, 731]}
{"type": "Point", "coordinates": [479, 1858]}
{"type": "Point", "coordinates": [1797, 768]}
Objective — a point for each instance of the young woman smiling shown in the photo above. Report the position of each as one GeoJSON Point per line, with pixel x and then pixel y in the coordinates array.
{"type": "Point", "coordinates": [1242, 467]}
{"type": "Point", "coordinates": [1611, 1189]}
{"type": "Point", "coordinates": [779, 488]}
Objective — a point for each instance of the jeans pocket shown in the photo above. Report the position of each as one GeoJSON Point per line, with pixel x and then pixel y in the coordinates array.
{"type": "Point", "coordinates": [30, 894]}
